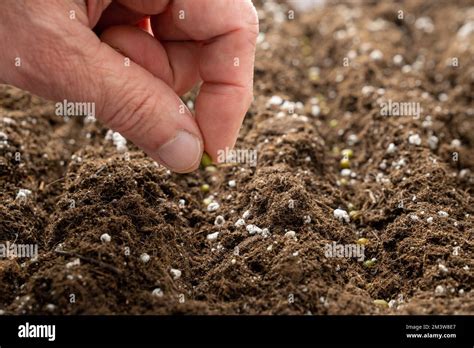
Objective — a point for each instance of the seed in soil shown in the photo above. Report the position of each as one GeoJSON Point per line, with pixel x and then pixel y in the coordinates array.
{"type": "Point", "coordinates": [362, 241]}
{"type": "Point", "coordinates": [208, 200]}
{"type": "Point", "coordinates": [345, 163]}
{"type": "Point", "coordinates": [355, 215]}
{"type": "Point", "coordinates": [370, 263]}
{"type": "Point", "coordinates": [206, 160]}
{"type": "Point", "coordinates": [381, 303]}
{"type": "Point", "coordinates": [343, 182]}
{"type": "Point", "coordinates": [351, 206]}
{"type": "Point", "coordinates": [211, 169]}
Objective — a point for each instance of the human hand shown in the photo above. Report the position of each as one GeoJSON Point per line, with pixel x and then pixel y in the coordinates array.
{"type": "Point", "coordinates": [212, 41]}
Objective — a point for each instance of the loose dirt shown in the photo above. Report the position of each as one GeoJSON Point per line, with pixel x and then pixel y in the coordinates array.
{"type": "Point", "coordinates": [82, 187]}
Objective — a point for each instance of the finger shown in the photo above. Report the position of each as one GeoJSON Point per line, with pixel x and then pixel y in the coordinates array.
{"type": "Point", "coordinates": [116, 14]}
{"type": "Point", "coordinates": [174, 63]}
{"type": "Point", "coordinates": [225, 62]}
{"type": "Point", "coordinates": [146, 7]}
{"type": "Point", "coordinates": [95, 9]}
{"type": "Point", "coordinates": [122, 12]}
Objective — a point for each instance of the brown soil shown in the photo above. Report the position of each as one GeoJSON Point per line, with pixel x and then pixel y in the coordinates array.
{"type": "Point", "coordinates": [82, 187]}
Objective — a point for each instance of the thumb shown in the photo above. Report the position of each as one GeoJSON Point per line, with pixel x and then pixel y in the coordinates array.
{"type": "Point", "coordinates": [70, 62]}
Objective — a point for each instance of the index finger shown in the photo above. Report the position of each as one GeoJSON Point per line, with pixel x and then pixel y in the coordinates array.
{"type": "Point", "coordinates": [228, 31]}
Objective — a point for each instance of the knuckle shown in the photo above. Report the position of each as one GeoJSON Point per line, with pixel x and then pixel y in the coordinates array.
{"type": "Point", "coordinates": [129, 111]}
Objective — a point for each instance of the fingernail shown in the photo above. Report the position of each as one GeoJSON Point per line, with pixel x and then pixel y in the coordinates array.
{"type": "Point", "coordinates": [182, 153]}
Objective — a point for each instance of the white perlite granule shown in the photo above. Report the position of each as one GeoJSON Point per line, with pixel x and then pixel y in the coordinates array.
{"type": "Point", "coordinates": [176, 273]}
{"type": "Point", "coordinates": [414, 139]}
{"type": "Point", "coordinates": [391, 148]}
{"type": "Point", "coordinates": [212, 236]}
{"type": "Point", "coordinates": [213, 206]}
{"type": "Point", "coordinates": [157, 292]}
{"type": "Point", "coordinates": [342, 215]}
{"type": "Point", "coordinates": [252, 229]}
{"type": "Point", "coordinates": [105, 238]}
{"type": "Point", "coordinates": [239, 223]}
{"type": "Point", "coordinates": [219, 221]}
{"type": "Point", "coordinates": [246, 214]}
{"type": "Point", "coordinates": [23, 194]}
{"type": "Point", "coordinates": [145, 257]}
{"type": "Point", "coordinates": [119, 141]}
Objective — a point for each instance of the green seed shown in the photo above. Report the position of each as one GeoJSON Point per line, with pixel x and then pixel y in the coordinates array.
{"type": "Point", "coordinates": [351, 206]}
{"type": "Point", "coordinates": [206, 160]}
{"type": "Point", "coordinates": [325, 111]}
{"type": "Point", "coordinates": [345, 164]}
{"type": "Point", "coordinates": [332, 123]}
{"type": "Point", "coordinates": [355, 215]}
{"type": "Point", "coordinates": [204, 188]}
{"type": "Point", "coordinates": [344, 182]}
{"type": "Point", "coordinates": [362, 241]}
{"type": "Point", "coordinates": [211, 169]}
{"type": "Point", "coordinates": [306, 50]}
{"type": "Point", "coordinates": [320, 98]}
{"type": "Point", "coordinates": [347, 153]}
{"type": "Point", "coordinates": [370, 263]}
{"type": "Point", "coordinates": [313, 74]}
{"type": "Point", "coordinates": [381, 303]}
{"type": "Point", "coordinates": [207, 201]}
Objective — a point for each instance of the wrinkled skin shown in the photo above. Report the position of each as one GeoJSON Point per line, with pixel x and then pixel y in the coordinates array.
{"type": "Point", "coordinates": [186, 42]}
